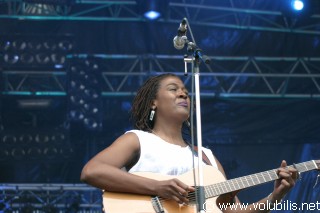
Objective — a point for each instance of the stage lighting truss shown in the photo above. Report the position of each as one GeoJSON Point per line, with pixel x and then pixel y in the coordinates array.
{"type": "Point", "coordinates": [35, 145]}
{"type": "Point", "coordinates": [247, 15]}
{"type": "Point", "coordinates": [35, 83]}
{"type": "Point", "coordinates": [121, 75]}
{"type": "Point", "coordinates": [35, 52]}
{"type": "Point", "coordinates": [50, 198]}
{"type": "Point", "coordinates": [228, 77]}
{"type": "Point", "coordinates": [84, 92]}
{"type": "Point", "coordinates": [39, 9]}
{"type": "Point", "coordinates": [45, 7]}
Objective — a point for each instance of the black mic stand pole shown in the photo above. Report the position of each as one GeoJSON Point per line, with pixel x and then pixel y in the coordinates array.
{"type": "Point", "coordinates": [196, 59]}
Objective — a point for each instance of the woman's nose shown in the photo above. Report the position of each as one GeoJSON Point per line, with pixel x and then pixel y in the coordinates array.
{"type": "Point", "coordinates": [182, 94]}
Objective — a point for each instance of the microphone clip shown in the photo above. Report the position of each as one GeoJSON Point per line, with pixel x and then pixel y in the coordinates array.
{"type": "Point", "coordinates": [197, 53]}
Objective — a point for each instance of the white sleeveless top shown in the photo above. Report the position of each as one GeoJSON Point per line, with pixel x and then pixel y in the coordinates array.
{"type": "Point", "coordinates": [159, 156]}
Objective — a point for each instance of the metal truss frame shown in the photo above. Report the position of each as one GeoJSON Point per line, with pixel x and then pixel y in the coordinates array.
{"type": "Point", "coordinates": [232, 16]}
{"type": "Point", "coordinates": [58, 196]}
{"type": "Point", "coordinates": [222, 80]}
{"type": "Point", "coordinates": [243, 77]}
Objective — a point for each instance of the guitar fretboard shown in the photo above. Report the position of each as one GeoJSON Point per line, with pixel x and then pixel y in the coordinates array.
{"type": "Point", "coordinates": [252, 180]}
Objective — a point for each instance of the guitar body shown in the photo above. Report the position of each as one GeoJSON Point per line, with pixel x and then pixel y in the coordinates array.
{"type": "Point", "coordinates": [218, 191]}
{"type": "Point", "coordinates": [124, 203]}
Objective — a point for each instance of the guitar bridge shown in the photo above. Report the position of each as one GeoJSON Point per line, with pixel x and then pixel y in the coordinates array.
{"type": "Point", "coordinates": [157, 206]}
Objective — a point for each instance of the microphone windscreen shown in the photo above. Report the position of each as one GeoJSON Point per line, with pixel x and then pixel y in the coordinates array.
{"type": "Point", "coordinates": [178, 42]}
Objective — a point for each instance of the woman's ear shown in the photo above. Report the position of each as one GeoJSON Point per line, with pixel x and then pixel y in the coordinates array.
{"type": "Point", "coordinates": [153, 104]}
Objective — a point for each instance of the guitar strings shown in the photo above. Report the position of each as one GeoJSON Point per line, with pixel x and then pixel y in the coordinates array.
{"type": "Point", "coordinates": [191, 196]}
{"type": "Point", "coordinates": [256, 179]}
{"type": "Point", "coordinates": [219, 187]}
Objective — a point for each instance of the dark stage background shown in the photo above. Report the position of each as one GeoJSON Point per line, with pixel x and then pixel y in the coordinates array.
{"type": "Point", "coordinates": [69, 72]}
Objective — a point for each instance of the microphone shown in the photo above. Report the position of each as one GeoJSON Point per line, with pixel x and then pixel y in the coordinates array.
{"type": "Point", "coordinates": [180, 39]}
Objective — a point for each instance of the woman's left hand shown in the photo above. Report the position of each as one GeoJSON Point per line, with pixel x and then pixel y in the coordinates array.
{"type": "Point", "coordinates": [287, 179]}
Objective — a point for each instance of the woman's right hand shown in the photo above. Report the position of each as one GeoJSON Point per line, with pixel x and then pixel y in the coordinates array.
{"type": "Point", "coordinates": [174, 189]}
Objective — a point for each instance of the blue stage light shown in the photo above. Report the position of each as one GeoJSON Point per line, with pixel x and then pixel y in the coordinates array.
{"type": "Point", "coordinates": [152, 9]}
{"type": "Point", "coordinates": [297, 5]}
{"type": "Point", "coordinates": [152, 15]}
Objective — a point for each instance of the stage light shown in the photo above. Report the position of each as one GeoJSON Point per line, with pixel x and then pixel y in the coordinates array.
{"type": "Point", "coordinates": [85, 93]}
{"type": "Point", "coordinates": [91, 65]}
{"type": "Point", "coordinates": [50, 45]}
{"type": "Point", "coordinates": [27, 58]}
{"type": "Point", "coordinates": [297, 5]}
{"type": "Point", "coordinates": [34, 152]}
{"type": "Point", "coordinates": [24, 52]}
{"type": "Point", "coordinates": [11, 58]}
{"type": "Point", "coordinates": [77, 100]}
{"type": "Point", "coordinates": [6, 45]}
{"type": "Point", "coordinates": [152, 9]}
{"type": "Point", "coordinates": [91, 123]}
{"type": "Point", "coordinates": [42, 138]}
{"type": "Point", "coordinates": [57, 58]}
{"type": "Point", "coordinates": [91, 79]}
{"type": "Point", "coordinates": [75, 85]}
{"type": "Point", "coordinates": [73, 70]}
{"type": "Point", "coordinates": [19, 45]}
{"type": "Point", "coordinates": [4, 154]}
{"type": "Point", "coordinates": [152, 14]}
{"type": "Point", "coordinates": [43, 58]}
{"type": "Point", "coordinates": [91, 94]}
{"type": "Point", "coordinates": [34, 45]}
{"type": "Point", "coordinates": [39, 9]}
{"type": "Point", "coordinates": [58, 138]}
{"type": "Point", "coordinates": [9, 139]}
{"type": "Point", "coordinates": [91, 108]}
{"type": "Point", "coordinates": [58, 66]}
{"type": "Point", "coordinates": [65, 45]}
{"type": "Point", "coordinates": [18, 153]}
{"type": "Point", "coordinates": [33, 145]}
{"type": "Point", "coordinates": [26, 138]}
{"type": "Point", "coordinates": [76, 114]}
{"type": "Point", "coordinates": [50, 152]}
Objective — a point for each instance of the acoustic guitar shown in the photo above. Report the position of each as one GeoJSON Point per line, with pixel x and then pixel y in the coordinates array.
{"type": "Point", "coordinates": [217, 191]}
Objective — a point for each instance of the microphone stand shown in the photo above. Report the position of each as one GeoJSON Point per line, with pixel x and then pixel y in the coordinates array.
{"type": "Point", "coordinates": [196, 59]}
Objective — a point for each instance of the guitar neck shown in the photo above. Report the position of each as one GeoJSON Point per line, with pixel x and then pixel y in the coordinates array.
{"type": "Point", "coordinates": [237, 184]}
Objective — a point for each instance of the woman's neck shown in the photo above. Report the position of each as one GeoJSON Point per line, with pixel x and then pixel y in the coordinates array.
{"type": "Point", "coordinates": [169, 134]}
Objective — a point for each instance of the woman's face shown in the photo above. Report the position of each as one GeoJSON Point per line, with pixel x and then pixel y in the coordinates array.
{"type": "Point", "coordinates": [172, 99]}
